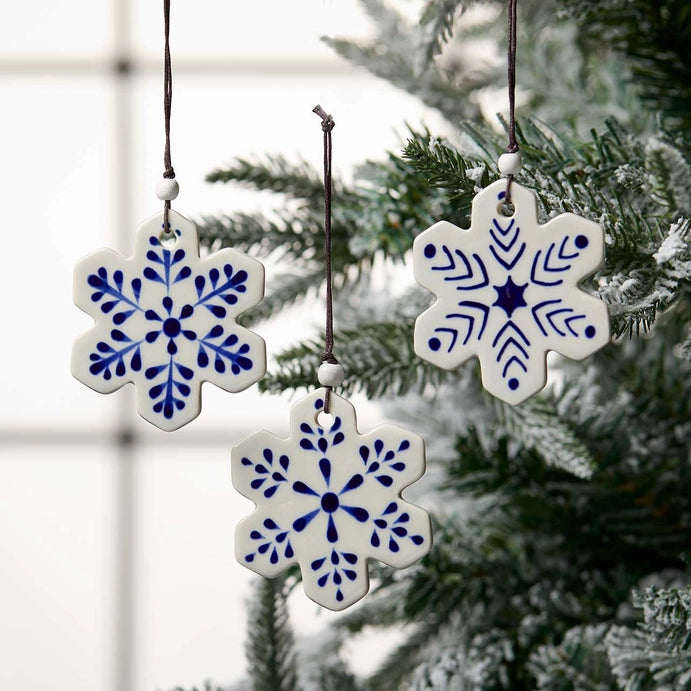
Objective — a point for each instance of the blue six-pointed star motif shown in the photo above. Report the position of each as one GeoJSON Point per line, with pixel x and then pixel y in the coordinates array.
{"type": "Point", "coordinates": [166, 321]}
{"type": "Point", "coordinates": [329, 498]}
{"type": "Point", "coordinates": [510, 296]}
{"type": "Point", "coordinates": [508, 291]}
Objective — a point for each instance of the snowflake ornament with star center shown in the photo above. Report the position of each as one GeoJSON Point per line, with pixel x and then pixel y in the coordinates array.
{"type": "Point", "coordinates": [329, 498]}
{"type": "Point", "coordinates": [165, 321]}
{"type": "Point", "coordinates": [508, 291]}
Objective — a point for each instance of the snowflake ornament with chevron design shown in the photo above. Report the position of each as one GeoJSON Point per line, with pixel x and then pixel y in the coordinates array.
{"type": "Point", "coordinates": [166, 321]}
{"type": "Point", "coordinates": [508, 291]}
{"type": "Point", "coordinates": [329, 498]}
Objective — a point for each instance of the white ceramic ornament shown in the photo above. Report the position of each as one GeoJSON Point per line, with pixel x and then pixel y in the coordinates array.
{"type": "Point", "coordinates": [508, 291]}
{"type": "Point", "coordinates": [165, 321]}
{"type": "Point", "coordinates": [329, 498]}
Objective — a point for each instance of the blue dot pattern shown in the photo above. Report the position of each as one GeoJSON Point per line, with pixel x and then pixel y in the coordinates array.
{"type": "Point", "coordinates": [329, 498]}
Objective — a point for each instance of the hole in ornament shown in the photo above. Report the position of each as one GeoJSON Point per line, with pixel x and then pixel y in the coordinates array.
{"type": "Point", "coordinates": [168, 238]}
{"type": "Point", "coordinates": [505, 209]}
{"type": "Point", "coordinates": [324, 420]}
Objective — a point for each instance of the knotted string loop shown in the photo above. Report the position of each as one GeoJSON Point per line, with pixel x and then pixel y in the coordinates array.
{"type": "Point", "coordinates": [327, 125]}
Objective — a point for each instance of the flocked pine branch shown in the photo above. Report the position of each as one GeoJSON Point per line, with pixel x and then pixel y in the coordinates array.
{"type": "Point", "coordinates": [335, 678]}
{"type": "Point", "coordinates": [323, 667]}
{"type": "Point", "coordinates": [636, 295]}
{"type": "Point", "coordinates": [629, 658]}
{"type": "Point", "coordinates": [457, 659]}
{"type": "Point", "coordinates": [275, 173]}
{"type": "Point", "coordinates": [401, 664]}
{"type": "Point", "coordinates": [648, 251]}
{"type": "Point", "coordinates": [391, 55]}
{"type": "Point", "coordinates": [270, 650]}
{"type": "Point", "coordinates": [536, 424]}
{"type": "Point", "coordinates": [684, 348]}
{"type": "Point", "coordinates": [286, 289]}
{"type": "Point", "coordinates": [444, 167]}
{"type": "Point", "coordinates": [398, 69]}
{"type": "Point", "coordinates": [642, 666]}
{"type": "Point", "coordinates": [578, 661]}
{"type": "Point", "coordinates": [537, 561]}
{"type": "Point", "coordinates": [378, 358]}
{"type": "Point", "coordinates": [654, 38]}
{"type": "Point", "coordinates": [667, 613]}
{"type": "Point", "coordinates": [379, 213]}
{"type": "Point", "coordinates": [437, 20]}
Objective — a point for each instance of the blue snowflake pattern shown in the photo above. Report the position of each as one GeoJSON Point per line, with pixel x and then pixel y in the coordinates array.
{"type": "Point", "coordinates": [508, 291]}
{"type": "Point", "coordinates": [392, 526]}
{"type": "Point", "coordinates": [321, 496]}
{"type": "Point", "coordinates": [166, 321]}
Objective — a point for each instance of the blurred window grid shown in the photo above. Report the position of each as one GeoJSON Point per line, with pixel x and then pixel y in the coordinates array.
{"type": "Point", "coordinates": [117, 570]}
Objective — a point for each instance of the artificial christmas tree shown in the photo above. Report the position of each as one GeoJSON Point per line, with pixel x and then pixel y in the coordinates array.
{"type": "Point", "coordinates": [565, 522]}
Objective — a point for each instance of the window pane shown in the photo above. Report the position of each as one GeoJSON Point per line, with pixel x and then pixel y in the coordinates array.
{"type": "Point", "coordinates": [190, 591]}
{"type": "Point", "coordinates": [45, 28]}
{"type": "Point", "coordinates": [260, 30]}
{"type": "Point", "coordinates": [216, 118]}
{"type": "Point", "coordinates": [66, 153]}
{"type": "Point", "coordinates": [57, 575]}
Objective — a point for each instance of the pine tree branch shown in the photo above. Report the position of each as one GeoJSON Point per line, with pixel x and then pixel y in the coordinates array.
{"type": "Point", "coordinates": [298, 236]}
{"type": "Point", "coordinates": [457, 659]}
{"type": "Point", "coordinates": [639, 664]}
{"type": "Point", "coordinates": [628, 658]}
{"type": "Point", "coordinates": [528, 556]}
{"type": "Point", "coordinates": [654, 36]}
{"type": "Point", "coordinates": [579, 661]}
{"type": "Point", "coordinates": [594, 180]}
{"type": "Point", "coordinates": [400, 663]}
{"type": "Point", "coordinates": [294, 237]}
{"type": "Point", "coordinates": [684, 348]}
{"type": "Point", "coordinates": [443, 167]}
{"type": "Point", "coordinates": [667, 613]}
{"type": "Point", "coordinates": [398, 69]}
{"type": "Point", "coordinates": [378, 359]}
{"type": "Point", "coordinates": [270, 650]}
{"type": "Point", "coordinates": [275, 173]}
{"type": "Point", "coordinates": [536, 424]}
{"type": "Point", "coordinates": [286, 290]}
{"type": "Point", "coordinates": [437, 19]}
{"type": "Point", "coordinates": [382, 213]}
{"type": "Point", "coordinates": [335, 677]}
{"type": "Point", "coordinates": [383, 14]}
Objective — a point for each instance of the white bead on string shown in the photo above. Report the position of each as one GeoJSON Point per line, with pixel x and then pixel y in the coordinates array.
{"type": "Point", "coordinates": [331, 374]}
{"type": "Point", "coordinates": [510, 163]}
{"type": "Point", "coordinates": [167, 189]}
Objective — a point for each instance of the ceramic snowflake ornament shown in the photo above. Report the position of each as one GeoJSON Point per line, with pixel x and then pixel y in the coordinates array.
{"type": "Point", "coordinates": [165, 321]}
{"type": "Point", "coordinates": [508, 291]}
{"type": "Point", "coordinates": [329, 498]}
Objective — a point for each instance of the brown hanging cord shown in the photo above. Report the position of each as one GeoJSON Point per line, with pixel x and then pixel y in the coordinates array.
{"type": "Point", "coordinates": [327, 356]}
{"type": "Point", "coordinates": [169, 172]}
{"type": "Point", "coordinates": [513, 144]}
